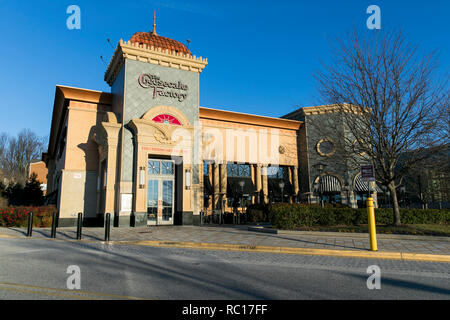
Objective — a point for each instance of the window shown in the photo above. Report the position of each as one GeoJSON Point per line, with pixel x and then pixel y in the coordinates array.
{"type": "Point", "coordinates": [238, 170]}
{"type": "Point", "coordinates": [166, 119]}
{"type": "Point", "coordinates": [153, 167]}
{"type": "Point", "coordinates": [325, 147]}
{"type": "Point", "coordinates": [275, 172]}
{"type": "Point", "coordinates": [167, 167]}
{"type": "Point", "coordinates": [62, 143]}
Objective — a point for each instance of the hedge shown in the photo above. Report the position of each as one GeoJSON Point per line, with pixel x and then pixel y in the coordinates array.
{"type": "Point", "coordinates": [18, 216]}
{"type": "Point", "coordinates": [290, 216]}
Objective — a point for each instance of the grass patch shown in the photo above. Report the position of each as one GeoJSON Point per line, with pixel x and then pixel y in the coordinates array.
{"type": "Point", "coordinates": [412, 229]}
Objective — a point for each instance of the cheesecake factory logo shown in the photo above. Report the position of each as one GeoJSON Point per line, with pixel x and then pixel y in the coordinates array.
{"type": "Point", "coordinates": [175, 90]}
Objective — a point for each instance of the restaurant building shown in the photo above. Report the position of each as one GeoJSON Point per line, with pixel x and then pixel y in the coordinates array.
{"type": "Point", "coordinates": [149, 154]}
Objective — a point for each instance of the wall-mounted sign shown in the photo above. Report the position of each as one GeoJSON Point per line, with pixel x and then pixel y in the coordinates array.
{"type": "Point", "coordinates": [175, 90]}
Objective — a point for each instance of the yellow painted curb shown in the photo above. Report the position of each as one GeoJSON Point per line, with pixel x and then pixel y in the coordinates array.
{"type": "Point", "coordinates": [291, 250]}
{"type": "Point", "coordinates": [270, 249]}
{"type": "Point", "coordinates": [425, 257]}
{"type": "Point", "coordinates": [8, 236]}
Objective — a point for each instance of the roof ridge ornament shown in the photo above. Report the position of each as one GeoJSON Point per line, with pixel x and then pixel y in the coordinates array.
{"type": "Point", "coordinates": [154, 24]}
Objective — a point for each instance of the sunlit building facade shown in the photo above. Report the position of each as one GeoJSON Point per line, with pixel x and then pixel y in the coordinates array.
{"type": "Point", "coordinates": [149, 154]}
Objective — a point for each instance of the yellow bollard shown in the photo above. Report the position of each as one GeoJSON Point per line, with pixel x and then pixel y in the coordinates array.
{"type": "Point", "coordinates": [371, 220]}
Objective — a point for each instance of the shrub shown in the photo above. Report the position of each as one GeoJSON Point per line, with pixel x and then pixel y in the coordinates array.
{"type": "Point", "coordinates": [257, 213]}
{"type": "Point", "coordinates": [18, 216]}
{"type": "Point", "coordinates": [28, 195]}
{"type": "Point", "coordinates": [291, 216]}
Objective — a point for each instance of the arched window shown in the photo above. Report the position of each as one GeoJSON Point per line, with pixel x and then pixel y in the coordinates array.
{"type": "Point", "coordinates": [166, 119]}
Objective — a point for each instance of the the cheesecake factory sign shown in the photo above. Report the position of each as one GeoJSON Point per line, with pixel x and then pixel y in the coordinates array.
{"type": "Point", "coordinates": [175, 90]}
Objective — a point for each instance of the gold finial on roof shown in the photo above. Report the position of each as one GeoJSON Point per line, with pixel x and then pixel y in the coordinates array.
{"type": "Point", "coordinates": [154, 24]}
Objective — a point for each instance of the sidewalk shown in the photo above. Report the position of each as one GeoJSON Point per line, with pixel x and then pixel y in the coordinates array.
{"type": "Point", "coordinates": [230, 236]}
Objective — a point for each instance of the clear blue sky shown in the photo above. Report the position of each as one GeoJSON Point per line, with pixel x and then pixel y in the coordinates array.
{"type": "Point", "coordinates": [262, 54]}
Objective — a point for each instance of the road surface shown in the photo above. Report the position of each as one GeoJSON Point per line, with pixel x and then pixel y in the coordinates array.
{"type": "Point", "coordinates": [37, 269]}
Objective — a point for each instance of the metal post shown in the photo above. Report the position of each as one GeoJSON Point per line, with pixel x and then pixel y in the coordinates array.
{"type": "Point", "coordinates": [30, 224]}
{"type": "Point", "coordinates": [79, 225]}
{"type": "Point", "coordinates": [107, 226]}
{"type": "Point", "coordinates": [371, 223]}
{"type": "Point", "coordinates": [321, 198]}
{"type": "Point", "coordinates": [53, 234]}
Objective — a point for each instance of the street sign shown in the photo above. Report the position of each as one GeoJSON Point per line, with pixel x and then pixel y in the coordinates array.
{"type": "Point", "coordinates": [367, 173]}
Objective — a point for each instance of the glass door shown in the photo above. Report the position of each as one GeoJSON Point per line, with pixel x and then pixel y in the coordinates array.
{"type": "Point", "coordinates": [160, 192]}
{"type": "Point", "coordinates": [152, 200]}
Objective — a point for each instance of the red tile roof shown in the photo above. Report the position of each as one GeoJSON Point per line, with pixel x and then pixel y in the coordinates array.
{"type": "Point", "coordinates": [159, 41]}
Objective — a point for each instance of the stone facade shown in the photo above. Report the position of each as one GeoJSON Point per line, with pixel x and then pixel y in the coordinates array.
{"type": "Point", "coordinates": [325, 126]}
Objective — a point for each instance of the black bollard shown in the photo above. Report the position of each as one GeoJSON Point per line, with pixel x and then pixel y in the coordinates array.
{"type": "Point", "coordinates": [53, 234]}
{"type": "Point", "coordinates": [79, 225]}
{"type": "Point", "coordinates": [107, 226]}
{"type": "Point", "coordinates": [30, 224]}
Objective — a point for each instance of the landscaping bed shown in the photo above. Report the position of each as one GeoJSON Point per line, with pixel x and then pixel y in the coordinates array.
{"type": "Point", "coordinates": [411, 229]}
{"type": "Point", "coordinates": [18, 216]}
{"type": "Point", "coordinates": [339, 218]}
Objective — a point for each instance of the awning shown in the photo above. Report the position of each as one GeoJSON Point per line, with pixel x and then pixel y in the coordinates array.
{"type": "Point", "coordinates": [234, 189]}
{"type": "Point", "coordinates": [274, 187]}
{"type": "Point", "coordinates": [207, 187]}
{"type": "Point", "coordinates": [329, 184]}
{"type": "Point", "coordinates": [363, 186]}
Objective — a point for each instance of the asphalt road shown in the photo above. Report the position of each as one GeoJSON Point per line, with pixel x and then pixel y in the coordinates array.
{"type": "Point", "coordinates": [37, 269]}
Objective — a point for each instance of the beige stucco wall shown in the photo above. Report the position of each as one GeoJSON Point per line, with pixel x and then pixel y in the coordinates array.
{"type": "Point", "coordinates": [78, 192]}
{"type": "Point", "coordinates": [237, 142]}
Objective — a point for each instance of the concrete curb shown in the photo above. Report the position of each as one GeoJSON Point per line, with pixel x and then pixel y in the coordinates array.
{"type": "Point", "coordinates": [265, 249]}
{"type": "Point", "coordinates": [346, 234]}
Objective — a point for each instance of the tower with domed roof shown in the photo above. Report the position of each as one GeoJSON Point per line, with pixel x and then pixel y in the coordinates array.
{"type": "Point", "coordinates": [155, 85]}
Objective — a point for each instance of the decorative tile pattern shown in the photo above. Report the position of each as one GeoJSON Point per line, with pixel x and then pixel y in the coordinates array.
{"type": "Point", "coordinates": [159, 41]}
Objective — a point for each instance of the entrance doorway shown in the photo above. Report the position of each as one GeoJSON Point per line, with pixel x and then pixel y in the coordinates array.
{"type": "Point", "coordinates": [160, 192]}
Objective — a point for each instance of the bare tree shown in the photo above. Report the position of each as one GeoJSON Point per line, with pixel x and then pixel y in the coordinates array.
{"type": "Point", "coordinates": [17, 154]}
{"type": "Point", "coordinates": [393, 105]}
{"type": "Point", "coordinates": [3, 146]}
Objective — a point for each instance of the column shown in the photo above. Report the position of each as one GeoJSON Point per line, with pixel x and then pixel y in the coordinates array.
{"type": "Point", "coordinates": [210, 178]}
{"type": "Point", "coordinates": [258, 181]}
{"type": "Point", "coordinates": [295, 178]}
{"type": "Point", "coordinates": [291, 181]}
{"type": "Point", "coordinates": [223, 184]}
{"type": "Point", "coordinates": [265, 183]}
{"type": "Point", "coordinates": [352, 199]}
{"type": "Point", "coordinates": [216, 186]}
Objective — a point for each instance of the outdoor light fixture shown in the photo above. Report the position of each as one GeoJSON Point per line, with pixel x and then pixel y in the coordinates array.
{"type": "Point", "coordinates": [281, 185]}
{"type": "Point", "coordinates": [319, 166]}
{"type": "Point", "coordinates": [187, 179]}
{"type": "Point", "coordinates": [241, 184]}
{"type": "Point", "coordinates": [142, 177]}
